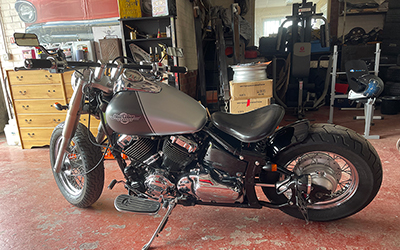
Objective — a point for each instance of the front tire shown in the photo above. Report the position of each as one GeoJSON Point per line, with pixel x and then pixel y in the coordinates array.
{"type": "Point", "coordinates": [80, 187]}
{"type": "Point", "coordinates": [349, 158]}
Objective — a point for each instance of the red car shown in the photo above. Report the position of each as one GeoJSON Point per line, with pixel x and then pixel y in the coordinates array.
{"type": "Point", "coordinates": [42, 11]}
{"type": "Point", "coordinates": [68, 20]}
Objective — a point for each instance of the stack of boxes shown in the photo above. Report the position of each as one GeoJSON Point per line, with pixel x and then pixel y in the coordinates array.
{"type": "Point", "coordinates": [248, 96]}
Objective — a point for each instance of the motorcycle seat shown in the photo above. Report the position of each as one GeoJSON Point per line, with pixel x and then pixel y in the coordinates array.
{"type": "Point", "coordinates": [251, 126]}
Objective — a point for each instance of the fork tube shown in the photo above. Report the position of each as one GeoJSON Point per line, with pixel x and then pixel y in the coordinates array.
{"type": "Point", "coordinates": [72, 119]}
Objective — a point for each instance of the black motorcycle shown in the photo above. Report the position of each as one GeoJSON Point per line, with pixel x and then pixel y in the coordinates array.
{"type": "Point", "coordinates": [179, 154]}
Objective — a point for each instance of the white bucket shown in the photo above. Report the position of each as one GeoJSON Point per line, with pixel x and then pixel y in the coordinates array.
{"type": "Point", "coordinates": [11, 132]}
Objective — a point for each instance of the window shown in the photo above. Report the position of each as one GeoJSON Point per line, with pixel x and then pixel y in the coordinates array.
{"type": "Point", "coordinates": [271, 26]}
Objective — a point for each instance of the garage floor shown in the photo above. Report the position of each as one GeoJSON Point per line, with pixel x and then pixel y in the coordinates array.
{"type": "Point", "coordinates": [34, 214]}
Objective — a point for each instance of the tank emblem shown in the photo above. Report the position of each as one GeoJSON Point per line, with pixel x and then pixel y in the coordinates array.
{"type": "Point", "coordinates": [125, 118]}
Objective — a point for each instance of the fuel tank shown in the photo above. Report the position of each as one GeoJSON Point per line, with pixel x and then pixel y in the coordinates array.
{"type": "Point", "coordinates": [162, 111]}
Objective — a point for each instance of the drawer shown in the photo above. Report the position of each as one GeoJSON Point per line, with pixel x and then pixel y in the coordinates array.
{"type": "Point", "coordinates": [40, 134]}
{"type": "Point", "coordinates": [94, 123]}
{"type": "Point", "coordinates": [52, 91]}
{"type": "Point", "coordinates": [68, 91]}
{"type": "Point", "coordinates": [38, 137]}
{"type": "Point", "coordinates": [37, 143]}
{"type": "Point", "coordinates": [67, 77]}
{"type": "Point", "coordinates": [37, 106]}
{"type": "Point", "coordinates": [40, 120]}
{"type": "Point", "coordinates": [33, 77]}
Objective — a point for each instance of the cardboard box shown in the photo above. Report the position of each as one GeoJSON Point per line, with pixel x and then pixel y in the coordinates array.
{"type": "Point", "coordinates": [243, 106]}
{"type": "Point", "coordinates": [129, 9]}
{"type": "Point", "coordinates": [248, 90]}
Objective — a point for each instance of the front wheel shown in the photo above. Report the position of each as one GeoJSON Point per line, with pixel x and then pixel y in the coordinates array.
{"type": "Point", "coordinates": [80, 182]}
{"type": "Point", "coordinates": [345, 170]}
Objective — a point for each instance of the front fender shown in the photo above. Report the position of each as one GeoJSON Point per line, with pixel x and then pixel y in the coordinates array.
{"type": "Point", "coordinates": [287, 136]}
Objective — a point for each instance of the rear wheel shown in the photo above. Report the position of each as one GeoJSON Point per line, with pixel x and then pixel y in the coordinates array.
{"type": "Point", "coordinates": [80, 183]}
{"type": "Point", "coordinates": [345, 169]}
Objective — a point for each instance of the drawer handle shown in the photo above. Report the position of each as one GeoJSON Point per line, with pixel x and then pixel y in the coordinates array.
{"type": "Point", "coordinates": [25, 107]}
{"type": "Point", "coordinates": [31, 135]}
{"type": "Point", "coordinates": [48, 76]}
{"type": "Point", "coordinates": [50, 90]}
{"type": "Point", "coordinates": [28, 121]}
{"type": "Point", "coordinates": [57, 120]}
{"type": "Point", "coordinates": [20, 78]}
{"type": "Point", "coordinates": [22, 92]}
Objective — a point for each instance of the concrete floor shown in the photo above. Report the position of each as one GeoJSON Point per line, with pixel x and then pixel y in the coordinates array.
{"type": "Point", "coordinates": [34, 214]}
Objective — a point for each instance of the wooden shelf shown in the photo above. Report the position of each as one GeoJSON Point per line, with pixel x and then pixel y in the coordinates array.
{"type": "Point", "coordinates": [149, 39]}
{"type": "Point", "coordinates": [362, 13]}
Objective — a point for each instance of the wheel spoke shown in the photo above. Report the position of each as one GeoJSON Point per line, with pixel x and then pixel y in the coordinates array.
{"type": "Point", "coordinates": [336, 170]}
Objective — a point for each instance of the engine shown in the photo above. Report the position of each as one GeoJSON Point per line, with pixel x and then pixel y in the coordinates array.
{"type": "Point", "coordinates": [154, 168]}
{"type": "Point", "coordinates": [210, 185]}
{"type": "Point", "coordinates": [162, 171]}
{"type": "Point", "coordinates": [176, 153]}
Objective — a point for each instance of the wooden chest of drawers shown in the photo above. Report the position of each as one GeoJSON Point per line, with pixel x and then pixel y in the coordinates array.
{"type": "Point", "coordinates": [34, 94]}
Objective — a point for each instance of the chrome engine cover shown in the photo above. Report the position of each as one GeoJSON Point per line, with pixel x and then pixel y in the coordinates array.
{"type": "Point", "coordinates": [206, 189]}
{"type": "Point", "coordinates": [157, 184]}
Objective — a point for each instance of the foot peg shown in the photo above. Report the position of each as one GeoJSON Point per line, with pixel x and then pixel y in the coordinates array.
{"type": "Point", "coordinates": [128, 203]}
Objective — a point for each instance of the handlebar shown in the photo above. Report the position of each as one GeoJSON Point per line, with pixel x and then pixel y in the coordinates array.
{"type": "Point", "coordinates": [137, 66]}
{"type": "Point", "coordinates": [48, 63]}
{"type": "Point", "coordinates": [177, 69]}
{"type": "Point", "coordinates": [53, 64]}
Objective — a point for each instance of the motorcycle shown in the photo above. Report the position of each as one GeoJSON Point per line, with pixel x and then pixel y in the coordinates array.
{"type": "Point", "coordinates": [177, 153]}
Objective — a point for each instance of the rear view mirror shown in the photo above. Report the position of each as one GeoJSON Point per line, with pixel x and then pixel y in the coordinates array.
{"type": "Point", "coordinates": [26, 39]}
{"type": "Point", "coordinates": [178, 52]}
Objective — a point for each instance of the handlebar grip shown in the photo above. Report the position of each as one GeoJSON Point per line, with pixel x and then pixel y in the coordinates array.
{"type": "Point", "coordinates": [38, 64]}
{"type": "Point", "coordinates": [177, 69]}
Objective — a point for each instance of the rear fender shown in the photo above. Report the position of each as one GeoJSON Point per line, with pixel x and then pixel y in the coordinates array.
{"type": "Point", "coordinates": [287, 136]}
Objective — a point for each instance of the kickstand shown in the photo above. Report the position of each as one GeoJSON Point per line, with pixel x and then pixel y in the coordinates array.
{"type": "Point", "coordinates": [160, 227]}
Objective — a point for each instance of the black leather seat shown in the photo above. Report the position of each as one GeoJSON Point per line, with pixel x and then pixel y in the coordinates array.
{"type": "Point", "coordinates": [252, 126]}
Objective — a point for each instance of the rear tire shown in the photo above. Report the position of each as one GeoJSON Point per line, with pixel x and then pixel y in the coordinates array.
{"type": "Point", "coordinates": [360, 170]}
{"type": "Point", "coordinates": [84, 189]}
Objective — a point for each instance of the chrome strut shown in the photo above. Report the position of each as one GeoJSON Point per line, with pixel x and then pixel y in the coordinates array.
{"type": "Point", "coordinates": [171, 204]}
{"type": "Point", "coordinates": [72, 119]}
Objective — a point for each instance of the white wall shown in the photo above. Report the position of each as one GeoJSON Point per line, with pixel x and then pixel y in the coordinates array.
{"type": "Point", "coordinates": [10, 23]}
{"type": "Point", "coordinates": [185, 34]}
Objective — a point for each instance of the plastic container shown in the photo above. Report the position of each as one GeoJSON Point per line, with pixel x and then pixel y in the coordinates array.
{"type": "Point", "coordinates": [11, 132]}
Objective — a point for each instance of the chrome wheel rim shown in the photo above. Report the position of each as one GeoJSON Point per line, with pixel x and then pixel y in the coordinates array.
{"type": "Point", "coordinates": [71, 175]}
{"type": "Point", "coordinates": [347, 180]}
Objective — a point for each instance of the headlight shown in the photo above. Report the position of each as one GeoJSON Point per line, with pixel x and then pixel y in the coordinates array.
{"type": "Point", "coordinates": [26, 11]}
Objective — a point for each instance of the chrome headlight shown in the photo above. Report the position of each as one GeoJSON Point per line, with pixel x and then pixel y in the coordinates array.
{"type": "Point", "coordinates": [26, 11]}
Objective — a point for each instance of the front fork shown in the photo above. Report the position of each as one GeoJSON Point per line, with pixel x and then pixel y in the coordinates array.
{"type": "Point", "coordinates": [72, 119]}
